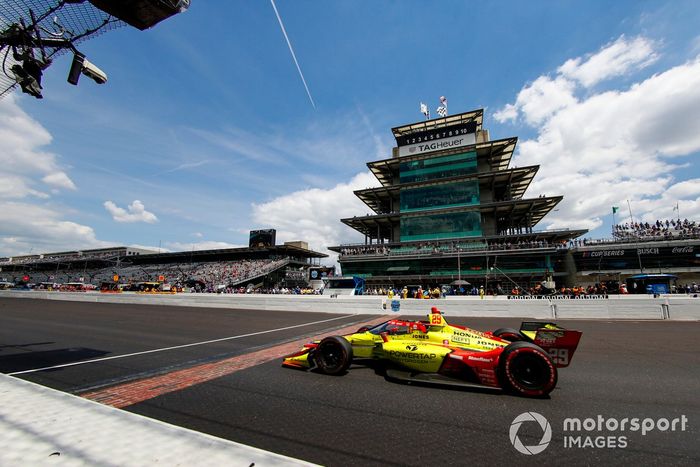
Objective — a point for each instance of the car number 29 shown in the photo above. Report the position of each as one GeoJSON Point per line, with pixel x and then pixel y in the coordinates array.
{"type": "Point", "coordinates": [559, 356]}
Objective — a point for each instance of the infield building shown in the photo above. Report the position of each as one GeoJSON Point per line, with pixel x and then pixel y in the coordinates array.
{"type": "Point", "coordinates": [451, 208]}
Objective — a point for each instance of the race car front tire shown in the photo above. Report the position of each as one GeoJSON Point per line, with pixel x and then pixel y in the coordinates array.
{"type": "Point", "coordinates": [333, 355]}
{"type": "Point", "coordinates": [527, 370]}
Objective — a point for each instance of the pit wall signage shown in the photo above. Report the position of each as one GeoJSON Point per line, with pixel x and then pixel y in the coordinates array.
{"type": "Point", "coordinates": [438, 139]}
{"type": "Point", "coordinates": [653, 251]}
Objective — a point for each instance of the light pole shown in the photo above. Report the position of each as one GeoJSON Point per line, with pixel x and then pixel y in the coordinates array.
{"type": "Point", "coordinates": [506, 276]}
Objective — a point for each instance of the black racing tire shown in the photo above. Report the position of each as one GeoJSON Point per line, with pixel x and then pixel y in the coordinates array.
{"type": "Point", "coordinates": [510, 334]}
{"type": "Point", "coordinates": [333, 355]}
{"type": "Point", "coordinates": [527, 370]}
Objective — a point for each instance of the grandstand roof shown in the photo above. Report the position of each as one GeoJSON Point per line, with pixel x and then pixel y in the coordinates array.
{"type": "Point", "coordinates": [379, 199]}
{"type": "Point", "coordinates": [497, 152]}
{"type": "Point", "coordinates": [451, 120]}
{"type": "Point", "coordinates": [227, 253]}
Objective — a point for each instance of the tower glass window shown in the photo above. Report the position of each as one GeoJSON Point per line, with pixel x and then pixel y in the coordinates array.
{"type": "Point", "coordinates": [440, 196]}
{"type": "Point", "coordinates": [438, 167]}
{"type": "Point", "coordinates": [443, 225]}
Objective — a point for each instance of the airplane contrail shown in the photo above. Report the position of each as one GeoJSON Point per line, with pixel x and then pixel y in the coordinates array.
{"type": "Point", "coordinates": [289, 44]}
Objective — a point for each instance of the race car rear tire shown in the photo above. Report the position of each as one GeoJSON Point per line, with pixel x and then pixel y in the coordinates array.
{"type": "Point", "coordinates": [527, 370]}
{"type": "Point", "coordinates": [333, 355]}
{"type": "Point", "coordinates": [510, 334]}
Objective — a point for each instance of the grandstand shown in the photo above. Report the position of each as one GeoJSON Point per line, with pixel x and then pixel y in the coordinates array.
{"type": "Point", "coordinates": [221, 270]}
{"type": "Point", "coordinates": [662, 247]}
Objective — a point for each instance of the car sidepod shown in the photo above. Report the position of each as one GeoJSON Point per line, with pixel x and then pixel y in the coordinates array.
{"type": "Point", "coordinates": [419, 356]}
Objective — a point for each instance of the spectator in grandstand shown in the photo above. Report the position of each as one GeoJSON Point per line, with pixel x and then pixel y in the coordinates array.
{"type": "Point", "coordinates": [661, 229]}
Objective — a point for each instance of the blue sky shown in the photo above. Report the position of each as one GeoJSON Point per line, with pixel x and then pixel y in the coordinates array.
{"type": "Point", "coordinates": [204, 130]}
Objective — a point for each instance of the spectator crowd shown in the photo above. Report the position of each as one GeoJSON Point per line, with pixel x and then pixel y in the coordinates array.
{"type": "Point", "coordinates": [661, 229]}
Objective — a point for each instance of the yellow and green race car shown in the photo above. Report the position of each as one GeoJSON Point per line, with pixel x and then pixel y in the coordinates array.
{"type": "Point", "coordinates": [523, 361]}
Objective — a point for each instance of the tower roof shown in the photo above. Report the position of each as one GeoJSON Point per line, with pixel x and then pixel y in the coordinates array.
{"type": "Point", "coordinates": [476, 116]}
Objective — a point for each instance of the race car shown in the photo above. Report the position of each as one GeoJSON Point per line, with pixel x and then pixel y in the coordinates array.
{"type": "Point", "coordinates": [523, 362]}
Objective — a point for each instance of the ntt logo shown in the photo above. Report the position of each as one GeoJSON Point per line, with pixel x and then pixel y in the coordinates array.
{"type": "Point", "coordinates": [546, 433]}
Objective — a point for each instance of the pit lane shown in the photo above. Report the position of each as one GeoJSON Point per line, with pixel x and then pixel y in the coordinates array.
{"type": "Point", "coordinates": [622, 369]}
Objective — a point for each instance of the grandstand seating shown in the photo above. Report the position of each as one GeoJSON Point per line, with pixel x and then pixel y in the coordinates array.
{"type": "Point", "coordinates": [208, 275]}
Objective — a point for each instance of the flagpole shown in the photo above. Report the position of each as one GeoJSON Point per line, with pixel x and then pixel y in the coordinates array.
{"type": "Point", "coordinates": [629, 206]}
{"type": "Point", "coordinates": [639, 256]}
{"type": "Point", "coordinates": [612, 228]}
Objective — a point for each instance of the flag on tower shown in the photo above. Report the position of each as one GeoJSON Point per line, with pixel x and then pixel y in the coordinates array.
{"type": "Point", "coordinates": [442, 110]}
{"type": "Point", "coordinates": [424, 110]}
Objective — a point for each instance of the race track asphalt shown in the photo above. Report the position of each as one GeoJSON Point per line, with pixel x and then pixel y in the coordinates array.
{"type": "Point", "coordinates": [645, 370]}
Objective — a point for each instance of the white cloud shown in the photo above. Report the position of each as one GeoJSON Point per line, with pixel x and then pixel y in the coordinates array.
{"type": "Point", "coordinates": [59, 180]}
{"type": "Point", "coordinates": [135, 212]}
{"type": "Point", "coordinates": [17, 187]}
{"type": "Point", "coordinates": [25, 227]}
{"type": "Point", "coordinates": [615, 59]}
{"type": "Point", "coordinates": [605, 148]}
{"type": "Point", "coordinates": [314, 215]}
{"type": "Point", "coordinates": [27, 223]}
{"type": "Point", "coordinates": [540, 100]}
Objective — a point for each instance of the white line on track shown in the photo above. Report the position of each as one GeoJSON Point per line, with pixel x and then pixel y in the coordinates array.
{"type": "Point", "coordinates": [240, 336]}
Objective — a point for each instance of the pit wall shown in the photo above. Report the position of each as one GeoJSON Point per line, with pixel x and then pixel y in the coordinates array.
{"type": "Point", "coordinates": [673, 307]}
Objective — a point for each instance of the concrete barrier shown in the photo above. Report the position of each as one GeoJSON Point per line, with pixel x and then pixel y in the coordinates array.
{"type": "Point", "coordinates": [686, 309]}
{"type": "Point", "coordinates": [610, 309]}
{"type": "Point", "coordinates": [473, 306]}
{"type": "Point", "coordinates": [616, 307]}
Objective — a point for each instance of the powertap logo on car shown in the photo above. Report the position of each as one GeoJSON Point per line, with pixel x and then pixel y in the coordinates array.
{"type": "Point", "coordinates": [599, 432]}
{"type": "Point", "coordinates": [546, 433]}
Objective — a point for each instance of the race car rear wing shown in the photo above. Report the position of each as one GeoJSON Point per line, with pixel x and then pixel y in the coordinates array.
{"type": "Point", "coordinates": [560, 343]}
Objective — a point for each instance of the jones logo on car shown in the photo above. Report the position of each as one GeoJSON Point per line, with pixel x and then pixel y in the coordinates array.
{"type": "Point", "coordinates": [487, 344]}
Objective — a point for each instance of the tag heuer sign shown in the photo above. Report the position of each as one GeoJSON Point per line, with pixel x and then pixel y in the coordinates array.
{"type": "Point", "coordinates": [437, 139]}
